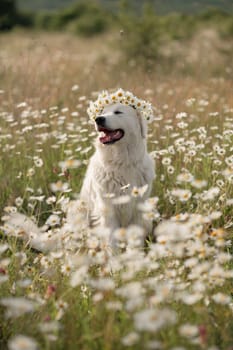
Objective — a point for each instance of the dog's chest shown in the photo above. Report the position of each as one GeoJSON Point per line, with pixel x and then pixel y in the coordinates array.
{"type": "Point", "coordinates": [115, 181]}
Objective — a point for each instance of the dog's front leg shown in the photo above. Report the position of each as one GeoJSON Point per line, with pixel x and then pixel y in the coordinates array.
{"type": "Point", "coordinates": [109, 218]}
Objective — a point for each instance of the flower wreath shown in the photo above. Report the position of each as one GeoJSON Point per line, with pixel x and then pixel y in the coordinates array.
{"type": "Point", "coordinates": [120, 96]}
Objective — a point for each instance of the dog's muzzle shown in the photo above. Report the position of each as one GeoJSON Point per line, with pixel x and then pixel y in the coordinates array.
{"type": "Point", "coordinates": [108, 136]}
{"type": "Point", "coordinates": [100, 121]}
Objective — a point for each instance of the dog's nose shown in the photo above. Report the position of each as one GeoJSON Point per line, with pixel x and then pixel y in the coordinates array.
{"type": "Point", "coordinates": [100, 121]}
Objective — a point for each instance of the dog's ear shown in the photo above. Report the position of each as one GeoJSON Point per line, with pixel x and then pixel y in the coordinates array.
{"type": "Point", "coordinates": [143, 124]}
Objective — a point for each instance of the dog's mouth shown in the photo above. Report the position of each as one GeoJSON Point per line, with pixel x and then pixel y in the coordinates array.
{"type": "Point", "coordinates": [109, 136]}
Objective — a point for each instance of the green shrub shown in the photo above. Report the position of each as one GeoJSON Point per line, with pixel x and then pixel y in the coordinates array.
{"type": "Point", "coordinates": [227, 31]}
{"type": "Point", "coordinates": [89, 25]}
{"type": "Point", "coordinates": [142, 35]}
{"type": "Point", "coordinates": [81, 18]}
{"type": "Point", "coordinates": [213, 14]}
{"type": "Point", "coordinates": [44, 20]}
{"type": "Point", "coordinates": [178, 26]}
{"type": "Point", "coordinates": [26, 19]}
{"type": "Point", "coordinates": [61, 19]}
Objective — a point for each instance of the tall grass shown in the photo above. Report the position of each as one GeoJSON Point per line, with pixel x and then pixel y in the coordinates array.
{"type": "Point", "coordinates": [176, 292]}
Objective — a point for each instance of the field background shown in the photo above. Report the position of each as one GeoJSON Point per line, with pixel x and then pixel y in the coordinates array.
{"type": "Point", "coordinates": [52, 63]}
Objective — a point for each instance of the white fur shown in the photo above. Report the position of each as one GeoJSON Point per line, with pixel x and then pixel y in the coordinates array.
{"type": "Point", "coordinates": [113, 166]}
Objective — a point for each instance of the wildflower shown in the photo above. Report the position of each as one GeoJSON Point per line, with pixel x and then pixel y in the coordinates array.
{"type": "Point", "coordinates": [198, 183]}
{"type": "Point", "coordinates": [180, 217]}
{"type": "Point", "coordinates": [53, 220]}
{"type": "Point", "coordinates": [97, 297]}
{"type": "Point", "coordinates": [217, 274]}
{"type": "Point", "coordinates": [24, 283]}
{"type": "Point", "coordinates": [148, 205]}
{"type": "Point", "coordinates": [79, 276]}
{"type": "Point", "coordinates": [230, 179]}
{"type": "Point", "coordinates": [191, 299]}
{"type": "Point", "coordinates": [229, 202]}
{"type": "Point", "coordinates": [120, 234]}
{"type": "Point", "coordinates": [188, 330]}
{"type": "Point", "coordinates": [192, 153]}
{"type": "Point", "coordinates": [61, 307]}
{"type": "Point", "coordinates": [17, 306]}
{"type": "Point", "coordinates": [210, 194]}
{"type": "Point", "coordinates": [130, 339]}
{"type": "Point", "coordinates": [185, 177]}
{"type": "Point", "coordinates": [166, 161]}
{"type": "Point", "coordinates": [51, 200]}
{"type": "Point", "coordinates": [170, 169]}
{"type": "Point", "coordinates": [19, 175]}
{"type": "Point", "coordinates": [3, 277]}
{"type": "Point", "coordinates": [75, 88]}
{"type": "Point", "coordinates": [182, 125]}
{"type": "Point", "coordinates": [66, 268]}
{"type": "Point", "coordinates": [203, 102]}
{"type": "Point", "coordinates": [203, 334]}
{"type": "Point", "coordinates": [125, 187]}
{"type": "Point", "coordinates": [131, 290]}
{"type": "Point", "coordinates": [22, 105]}
{"type": "Point", "coordinates": [114, 305]}
{"type": "Point", "coordinates": [37, 198]}
{"type": "Point", "coordinates": [50, 291]}
{"type": "Point", "coordinates": [190, 102]}
{"type": "Point", "coordinates": [103, 284]}
{"type": "Point", "coordinates": [92, 243]}
{"type": "Point", "coordinates": [224, 257]}
{"type": "Point", "coordinates": [31, 172]}
{"type": "Point", "coordinates": [18, 201]}
{"type": "Point", "coordinates": [229, 162]}
{"type": "Point", "coordinates": [181, 194]}
{"type": "Point", "coordinates": [59, 186]}
{"type": "Point", "coordinates": [139, 191]}
{"type": "Point", "coordinates": [220, 183]}
{"type": "Point", "coordinates": [135, 236]}
{"type": "Point", "coordinates": [151, 320]}
{"type": "Point", "coordinates": [215, 215]}
{"type": "Point", "coordinates": [70, 164]}
{"type": "Point", "coordinates": [181, 115]}
{"type": "Point", "coordinates": [221, 298]}
{"type": "Point", "coordinates": [3, 248]}
{"type": "Point", "coordinates": [21, 258]}
{"type": "Point", "coordinates": [38, 162]}
{"type": "Point", "coordinates": [82, 98]}
{"type": "Point", "coordinates": [49, 326]}
{"type": "Point", "coordinates": [22, 342]}
{"type": "Point", "coordinates": [218, 233]}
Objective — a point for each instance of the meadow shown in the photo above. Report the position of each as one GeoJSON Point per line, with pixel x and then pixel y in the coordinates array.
{"type": "Point", "coordinates": [176, 292]}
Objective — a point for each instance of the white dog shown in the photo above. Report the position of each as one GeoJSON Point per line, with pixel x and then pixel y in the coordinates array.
{"type": "Point", "coordinates": [120, 163]}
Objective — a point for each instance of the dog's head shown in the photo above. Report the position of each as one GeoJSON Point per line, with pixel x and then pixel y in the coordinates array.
{"type": "Point", "coordinates": [120, 123]}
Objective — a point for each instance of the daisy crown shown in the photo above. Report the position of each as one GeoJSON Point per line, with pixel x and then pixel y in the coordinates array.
{"type": "Point", "coordinates": [106, 98]}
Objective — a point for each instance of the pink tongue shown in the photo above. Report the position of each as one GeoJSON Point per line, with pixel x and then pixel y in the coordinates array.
{"type": "Point", "coordinates": [111, 136]}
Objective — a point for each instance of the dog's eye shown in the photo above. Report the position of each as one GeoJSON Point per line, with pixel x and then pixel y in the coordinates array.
{"type": "Point", "coordinates": [118, 112]}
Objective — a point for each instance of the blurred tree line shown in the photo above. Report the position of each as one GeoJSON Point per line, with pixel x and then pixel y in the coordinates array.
{"type": "Point", "coordinates": [8, 14]}
{"type": "Point", "coordinates": [93, 17]}
{"type": "Point", "coordinates": [84, 18]}
{"type": "Point", "coordinates": [142, 29]}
